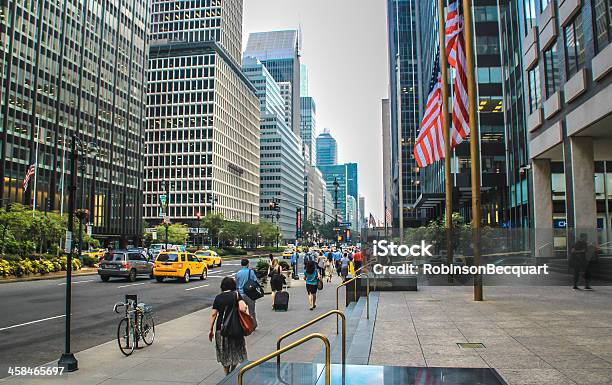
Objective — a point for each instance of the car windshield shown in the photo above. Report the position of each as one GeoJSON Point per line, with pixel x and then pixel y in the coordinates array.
{"type": "Point", "coordinates": [203, 253]}
{"type": "Point", "coordinates": [167, 258]}
{"type": "Point", "coordinates": [114, 256]}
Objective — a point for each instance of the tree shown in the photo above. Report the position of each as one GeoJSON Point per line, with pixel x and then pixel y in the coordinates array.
{"type": "Point", "coordinates": [214, 223]}
{"type": "Point", "coordinates": [177, 233]}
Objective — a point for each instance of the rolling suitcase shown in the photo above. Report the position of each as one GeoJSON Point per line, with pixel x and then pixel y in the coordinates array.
{"type": "Point", "coordinates": [281, 301]}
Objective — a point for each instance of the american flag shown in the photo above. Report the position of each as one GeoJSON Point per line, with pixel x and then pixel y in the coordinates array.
{"type": "Point", "coordinates": [372, 221]}
{"type": "Point", "coordinates": [429, 146]}
{"type": "Point", "coordinates": [388, 217]}
{"type": "Point", "coordinates": [455, 48]}
{"type": "Point", "coordinates": [26, 180]}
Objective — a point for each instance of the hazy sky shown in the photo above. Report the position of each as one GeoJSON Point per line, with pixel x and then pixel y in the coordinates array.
{"type": "Point", "coordinates": [344, 45]}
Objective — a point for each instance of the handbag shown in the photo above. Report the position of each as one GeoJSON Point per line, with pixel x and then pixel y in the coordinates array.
{"type": "Point", "coordinates": [253, 289]}
{"type": "Point", "coordinates": [319, 284]}
{"type": "Point", "coordinates": [231, 326]}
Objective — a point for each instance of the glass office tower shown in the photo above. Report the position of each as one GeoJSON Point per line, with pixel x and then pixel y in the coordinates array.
{"type": "Point", "coordinates": [75, 67]}
{"type": "Point", "coordinates": [327, 149]}
{"type": "Point", "coordinates": [308, 128]}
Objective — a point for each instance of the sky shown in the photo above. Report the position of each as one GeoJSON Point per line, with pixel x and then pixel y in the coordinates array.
{"type": "Point", "coordinates": [344, 46]}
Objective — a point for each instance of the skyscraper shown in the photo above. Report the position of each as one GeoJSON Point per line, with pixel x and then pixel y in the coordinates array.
{"type": "Point", "coordinates": [404, 95]}
{"type": "Point", "coordinates": [282, 164]}
{"type": "Point", "coordinates": [203, 115]}
{"type": "Point", "coordinates": [346, 175]}
{"type": "Point", "coordinates": [308, 128]}
{"type": "Point", "coordinates": [327, 149]}
{"type": "Point", "coordinates": [279, 52]}
{"type": "Point", "coordinates": [75, 69]}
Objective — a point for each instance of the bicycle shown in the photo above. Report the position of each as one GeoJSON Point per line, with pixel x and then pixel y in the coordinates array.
{"type": "Point", "coordinates": [136, 325]}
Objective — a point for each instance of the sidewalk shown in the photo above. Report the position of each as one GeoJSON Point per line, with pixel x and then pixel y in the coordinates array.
{"type": "Point", "coordinates": [532, 335]}
{"type": "Point", "coordinates": [182, 354]}
{"type": "Point", "coordinates": [55, 275]}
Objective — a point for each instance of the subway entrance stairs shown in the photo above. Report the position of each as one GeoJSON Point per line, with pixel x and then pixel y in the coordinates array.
{"type": "Point", "coordinates": [355, 370]}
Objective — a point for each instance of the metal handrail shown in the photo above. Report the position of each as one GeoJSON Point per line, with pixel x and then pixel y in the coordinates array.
{"type": "Point", "coordinates": [364, 266]}
{"type": "Point", "coordinates": [367, 293]}
{"type": "Point", "coordinates": [292, 345]}
{"type": "Point", "coordinates": [310, 323]}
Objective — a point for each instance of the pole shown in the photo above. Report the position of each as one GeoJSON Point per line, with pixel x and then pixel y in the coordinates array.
{"type": "Point", "coordinates": [468, 29]}
{"type": "Point", "coordinates": [400, 141]}
{"type": "Point", "coordinates": [167, 219]}
{"type": "Point", "coordinates": [37, 138]}
{"type": "Point", "coordinates": [68, 361]}
{"type": "Point", "coordinates": [448, 186]}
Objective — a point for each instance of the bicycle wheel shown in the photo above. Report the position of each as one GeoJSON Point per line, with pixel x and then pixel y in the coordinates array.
{"type": "Point", "coordinates": [126, 337]}
{"type": "Point", "coordinates": [147, 328]}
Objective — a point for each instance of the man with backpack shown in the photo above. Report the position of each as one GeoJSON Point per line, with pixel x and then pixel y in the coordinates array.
{"type": "Point", "coordinates": [244, 276]}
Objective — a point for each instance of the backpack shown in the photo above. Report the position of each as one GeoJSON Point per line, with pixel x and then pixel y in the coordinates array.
{"type": "Point", "coordinates": [252, 288]}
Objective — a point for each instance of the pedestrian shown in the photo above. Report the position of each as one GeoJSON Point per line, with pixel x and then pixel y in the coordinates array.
{"type": "Point", "coordinates": [321, 261]}
{"type": "Point", "coordinates": [294, 263]}
{"type": "Point", "coordinates": [271, 258]}
{"type": "Point", "coordinates": [312, 276]}
{"type": "Point", "coordinates": [329, 270]}
{"type": "Point", "coordinates": [582, 258]}
{"type": "Point", "coordinates": [242, 277]}
{"type": "Point", "coordinates": [277, 279]}
{"type": "Point", "coordinates": [231, 351]}
{"type": "Point", "coordinates": [358, 259]}
{"type": "Point", "coordinates": [337, 255]}
{"type": "Point", "coordinates": [344, 266]}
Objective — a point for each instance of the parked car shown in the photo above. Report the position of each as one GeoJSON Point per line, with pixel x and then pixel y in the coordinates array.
{"type": "Point", "coordinates": [124, 263]}
{"type": "Point", "coordinates": [287, 253]}
{"type": "Point", "coordinates": [211, 258]}
{"type": "Point", "coordinates": [178, 264]}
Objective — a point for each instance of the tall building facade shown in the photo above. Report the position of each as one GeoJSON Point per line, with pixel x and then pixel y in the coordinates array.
{"type": "Point", "coordinates": [202, 137]}
{"type": "Point", "coordinates": [318, 201]}
{"type": "Point", "coordinates": [490, 117]}
{"type": "Point", "coordinates": [281, 164]}
{"type": "Point", "coordinates": [308, 128]}
{"type": "Point", "coordinates": [404, 100]}
{"type": "Point", "coordinates": [386, 153]}
{"type": "Point", "coordinates": [346, 176]}
{"type": "Point", "coordinates": [279, 52]}
{"type": "Point", "coordinates": [361, 204]}
{"type": "Point", "coordinates": [327, 149]}
{"type": "Point", "coordinates": [75, 69]}
{"type": "Point", "coordinates": [567, 59]}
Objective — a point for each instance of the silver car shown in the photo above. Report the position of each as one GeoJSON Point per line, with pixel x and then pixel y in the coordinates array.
{"type": "Point", "coordinates": [125, 263]}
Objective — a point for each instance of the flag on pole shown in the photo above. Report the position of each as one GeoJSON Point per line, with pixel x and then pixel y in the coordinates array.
{"type": "Point", "coordinates": [455, 48]}
{"type": "Point", "coordinates": [388, 216]}
{"type": "Point", "coordinates": [372, 221]}
{"type": "Point", "coordinates": [429, 146]}
{"type": "Point", "coordinates": [29, 174]}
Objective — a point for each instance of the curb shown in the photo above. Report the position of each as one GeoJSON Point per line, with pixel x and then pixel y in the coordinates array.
{"type": "Point", "coordinates": [46, 277]}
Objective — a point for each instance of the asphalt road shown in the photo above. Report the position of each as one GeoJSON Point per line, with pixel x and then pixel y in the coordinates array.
{"type": "Point", "coordinates": [32, 321]}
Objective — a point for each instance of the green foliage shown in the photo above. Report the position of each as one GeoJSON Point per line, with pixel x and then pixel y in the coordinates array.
{"type": "Point", "coordinates": [284, 265]}
{"type": "Point", "coordinates": [262, 264]}
{"type": "Point", "coordinates": [177, 233]}
{"type": "Point", "coordinates": [89, 261]}
{"type": "Point", "coordinates": [24, 266]}
{"type": "Point", "coordinates": [225, 251]}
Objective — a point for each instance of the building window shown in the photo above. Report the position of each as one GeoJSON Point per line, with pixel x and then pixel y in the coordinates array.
{"type": "Point", "coordinates": [602, 10]}
{"type": "Point", "coordinates": [544, 4]}
{"type": "Point", "coordinates": [574, 46]}
{"type": "Point", "coordinates": [551, 70]}
{"type": "Point", "coordinates": [534, 88]}
{"type": "Point", "coordinates": [530, 14]}
{"type": "Point", "coordinates": [485, 13]}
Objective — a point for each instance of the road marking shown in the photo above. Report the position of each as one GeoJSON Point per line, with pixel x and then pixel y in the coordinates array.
{"type": "Point", "coordinates": [196, 287]}
{"type": "Point", "coordinates": [32, 322]}
{"type": "Point", "coordinates": [216, 271]}
{"type": "Point", "coordinates": [75, 282]}
{"type": "Point", "coordinates": [132, 284]}
{"type": "Point", "coordinates": [231, 264]}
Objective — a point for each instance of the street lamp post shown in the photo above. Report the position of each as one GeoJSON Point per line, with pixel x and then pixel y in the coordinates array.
{"type": "Point", "coordinates": [166, 212]}
{"type": "Point", "coordinates": [336, 185]}
{"type": "Point", "coordinates": [68, 361]}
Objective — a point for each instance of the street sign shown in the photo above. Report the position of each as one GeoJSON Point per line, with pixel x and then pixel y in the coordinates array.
{"type": "Point", "coordinates": [150, 230]}
{"type": "Point", "coordinates": [162, 199]}
{"type": "Point", "coordinates": [345, 225]}
{"type": "Point", "coordinates": [154, 235]}
{"type": "Point", "coordinates": [68, 241]}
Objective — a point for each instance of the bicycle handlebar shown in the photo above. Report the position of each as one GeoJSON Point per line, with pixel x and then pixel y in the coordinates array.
{"type": "Point", "coordinates": [117, 306]}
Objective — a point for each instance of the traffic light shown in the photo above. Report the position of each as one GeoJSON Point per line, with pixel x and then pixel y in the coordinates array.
{"type": "Point", "coordinates": [339, 238]}
{"type": "Point", "coordinates": [273, 206]}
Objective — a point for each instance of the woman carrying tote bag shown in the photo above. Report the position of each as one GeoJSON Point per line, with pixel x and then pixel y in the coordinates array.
{"type": "Point", "coordinates": [226, 326]}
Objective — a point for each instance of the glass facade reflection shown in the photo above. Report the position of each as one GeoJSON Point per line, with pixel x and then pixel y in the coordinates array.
{"type": "Point", "coordinates": [75, 67]}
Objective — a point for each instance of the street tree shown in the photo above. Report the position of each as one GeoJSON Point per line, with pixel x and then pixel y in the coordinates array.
{"type": "Point", "coordinates": [177, 233]}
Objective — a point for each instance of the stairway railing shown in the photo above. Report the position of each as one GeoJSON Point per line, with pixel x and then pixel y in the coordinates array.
{"type": "Point", "coordinates": [292, 345]}
{"type": "Point", "coordinates": [367, 276]}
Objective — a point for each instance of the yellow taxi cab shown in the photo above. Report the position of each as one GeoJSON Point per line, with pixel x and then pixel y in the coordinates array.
{"type": "Point", "coordinates": [211, 258]}
{"type": "Point", "coordinates": [95, 253]}
{"type": "Point", "coordinates": [287, 253]}
{"type": "Point", "coordinates": [179, 264]}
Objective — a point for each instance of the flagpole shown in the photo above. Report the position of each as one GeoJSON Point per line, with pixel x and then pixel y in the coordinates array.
{"type": "Point", "coordinates": [468, 28]}
{"type": "Point", "coordinates": [448, 187]}
{"type": "Point", "coordinates": [37, 139]}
